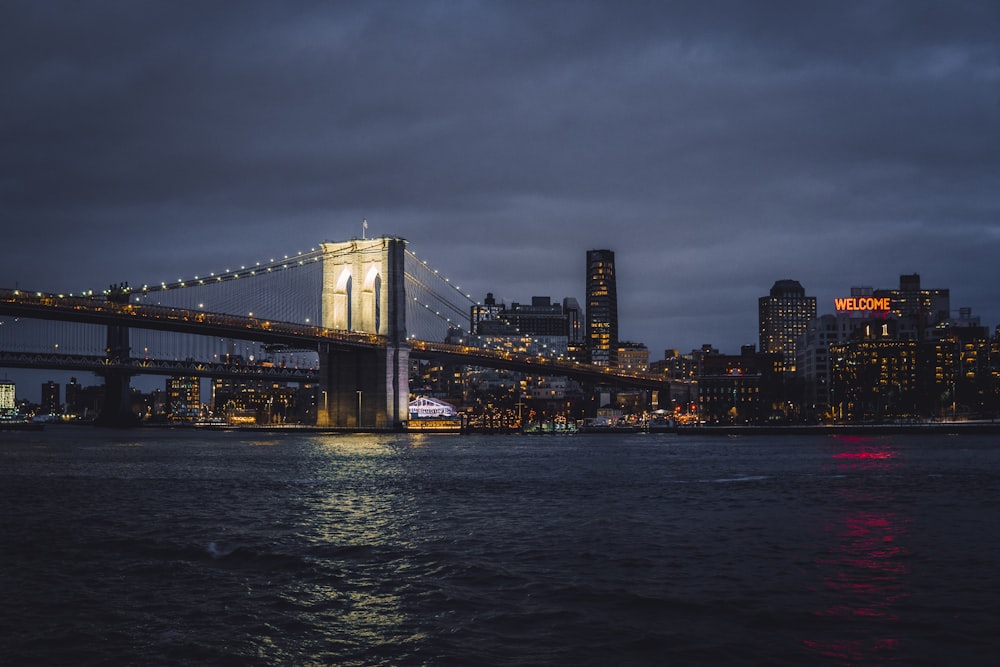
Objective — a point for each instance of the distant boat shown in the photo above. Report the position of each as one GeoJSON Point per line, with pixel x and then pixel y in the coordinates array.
{"type": "Point", "coordinates": [430, 415]}
{"type": "Point", "coordinates": [601, 425]}
{"type": "Point", "coordinates": [661, 425]}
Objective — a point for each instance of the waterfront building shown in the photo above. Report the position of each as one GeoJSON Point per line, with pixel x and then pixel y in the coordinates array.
{"type": "Point", "coordinates": [894, 354]}
{"type": "Point", "coordinates": [8, 400]}
{"type": "Point", "coordinates": [51, 404]}
{"type": "Point", "coordinates": [252, 401]}
{"type": "Point", "coordinates": [602, 308]}
{"type": "Point", "coordinates": [883, 374]}
{"type": "Point", "coordinates": [812, 364]}
{"type": "Point", "coordinates": [919, 310]}
{"type": "Point", "coordinates": [184, 397]}
{"type": "Point", "coordinates": [739, 389]}
{"type": "Point", "coordinates": [783, 316]}
{"type": "Point", "coordinates": [73, 397]}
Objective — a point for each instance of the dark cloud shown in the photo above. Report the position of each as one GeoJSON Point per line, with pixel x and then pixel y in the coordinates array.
{"type": "Point", "coordinates": [715, 146]}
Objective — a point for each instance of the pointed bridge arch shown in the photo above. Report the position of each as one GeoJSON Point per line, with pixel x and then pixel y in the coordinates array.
{"type": "Point", "coordinates": [364, 291]}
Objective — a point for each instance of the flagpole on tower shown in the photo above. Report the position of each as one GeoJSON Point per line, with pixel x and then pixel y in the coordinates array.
{"type": "Point", "coordinates": [364, 228]}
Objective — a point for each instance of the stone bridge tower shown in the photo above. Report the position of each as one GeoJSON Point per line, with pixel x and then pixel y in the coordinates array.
{"type": "Point", "coordinates": [364, 291]}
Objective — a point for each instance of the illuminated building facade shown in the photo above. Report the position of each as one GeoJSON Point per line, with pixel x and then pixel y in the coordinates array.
{"type": "Point", "coordinates": [918, 309]}
{"type": "Point", "coordinates": [486, 315]}
{"type": "Point", "coordinates": [8, 402]}
{"type": "Point", "coordinates": [634, 356]}
{"type": "Point", "coordinates": [602, 308]}
{"type": "Point", "coordinates": [540, 318]}
{"type": "Point", "coordinates": [812, 365]}
{"type": "Point", "coordinates": [783, 317]}
{"type": "Point", "coordinates": [184, 397]}
{"type": "Point", "coordinates": [880, 376]}
{"type": "Point", "coordinates": [674, 365]}
{"type": "Point", "coordinates": [250, 401]}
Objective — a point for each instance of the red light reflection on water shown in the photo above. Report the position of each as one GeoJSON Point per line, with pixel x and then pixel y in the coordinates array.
{"type": "Point", "coordinates": [878, 456]}
{"type": "Point", "coordinates": [864, 570]}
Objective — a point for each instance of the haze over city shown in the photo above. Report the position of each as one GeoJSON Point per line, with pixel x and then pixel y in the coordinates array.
{"type": "Point", "coordinates": [715, 147]}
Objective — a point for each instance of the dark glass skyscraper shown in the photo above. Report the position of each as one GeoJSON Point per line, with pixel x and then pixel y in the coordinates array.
{"type": "Point", "coordinates": [50, 398]}
{"type": "Point", "coordinates": [602, 307]}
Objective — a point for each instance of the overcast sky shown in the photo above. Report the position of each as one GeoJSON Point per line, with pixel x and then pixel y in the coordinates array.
{"type": "Point", "coordinates": [716, 147]}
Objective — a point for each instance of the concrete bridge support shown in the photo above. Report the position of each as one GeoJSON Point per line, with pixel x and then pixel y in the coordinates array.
{"type": "Point", "coordinates": [364, 291]}
{"type": "Point", "coordinates": [117, 407]}
{"type": "Point", "coordinates": [364, 390]}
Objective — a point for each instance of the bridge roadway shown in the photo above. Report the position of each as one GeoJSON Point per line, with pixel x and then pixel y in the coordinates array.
{"type": "Point", "coordinates": [142, 366]}
{"type": "Point", "coordinates": [39, 305]}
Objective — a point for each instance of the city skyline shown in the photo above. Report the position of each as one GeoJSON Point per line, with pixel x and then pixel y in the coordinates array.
{"type": "Point", "coordinates": [29, 380]}
{"type": "Point", "coordinates": [714, 147]}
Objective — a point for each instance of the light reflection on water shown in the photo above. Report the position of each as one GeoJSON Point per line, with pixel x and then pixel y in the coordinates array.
{"type": "Point", "coordinates": [422, 550]}
{"type": "Point", "coordinates": [357, 445]}
{"type": "Point", "coordinates": [264, 443]}
{"type": "Point", "coordinates": [865, 575]}
{"type": "Point", "coordinates": [358, 524]}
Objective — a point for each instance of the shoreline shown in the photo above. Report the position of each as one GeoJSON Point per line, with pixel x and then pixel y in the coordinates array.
{"type": "Point", "coordinates": [956, 428]}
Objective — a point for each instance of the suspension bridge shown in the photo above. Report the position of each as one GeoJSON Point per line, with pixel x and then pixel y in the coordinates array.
{"type": "Point", "coordinates": [348, 316]}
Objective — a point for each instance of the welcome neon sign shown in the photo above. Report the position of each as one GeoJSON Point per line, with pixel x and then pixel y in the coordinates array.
{"type": "Point", "coordinates": [865, 304]}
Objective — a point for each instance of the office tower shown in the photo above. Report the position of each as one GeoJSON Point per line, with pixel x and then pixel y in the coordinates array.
{"type": "Point", "coordinates": [784, 316]}
{"type": "Point", "coordinates": [602, 307]}
{"type": "Point", "coordinates": [485, 317]}
{"type": "Point", "coordinates": [541, 318]}
{"type": "Point", "coordinates": [184, 397]}
{"type": "Point", "coordinates": [8, 403]}
{"type": "Point", "coordinates": [574, 320]}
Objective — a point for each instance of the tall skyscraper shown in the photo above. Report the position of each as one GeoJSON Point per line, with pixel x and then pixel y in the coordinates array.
{"type": "Point", "coordinates": [50, 398]}
{"type": "Point", "coordinates": [602, 307]}
{"type": "Point", "coordinates": [784, 316]}
{"type": "Point", "coordinates": [73, 391]}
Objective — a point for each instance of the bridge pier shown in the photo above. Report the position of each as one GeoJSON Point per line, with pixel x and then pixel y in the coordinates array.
{"type": "Point", "coordinates": [364, 390]}
{"type": "Point", "coordinates": [117, 408]}
{"type": "Point", "coordinates": [364, 290]}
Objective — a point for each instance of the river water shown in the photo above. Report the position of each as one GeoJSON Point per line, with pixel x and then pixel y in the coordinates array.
{"type": "Point", "coordinates": [188, 547]}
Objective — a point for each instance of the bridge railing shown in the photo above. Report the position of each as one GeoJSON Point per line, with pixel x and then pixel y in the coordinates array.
{"type": "Point", "coordinates": [545, 365]}
{"type": "Point", "coordinates": [42, 304]}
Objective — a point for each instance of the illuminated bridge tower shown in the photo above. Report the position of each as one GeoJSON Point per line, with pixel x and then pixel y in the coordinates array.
{"type": "Point", "coordinates": [364, 291]}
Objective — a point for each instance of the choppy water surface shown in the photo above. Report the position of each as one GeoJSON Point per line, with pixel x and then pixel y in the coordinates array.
{"type": "Point", "coordinates": [183, 547]}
